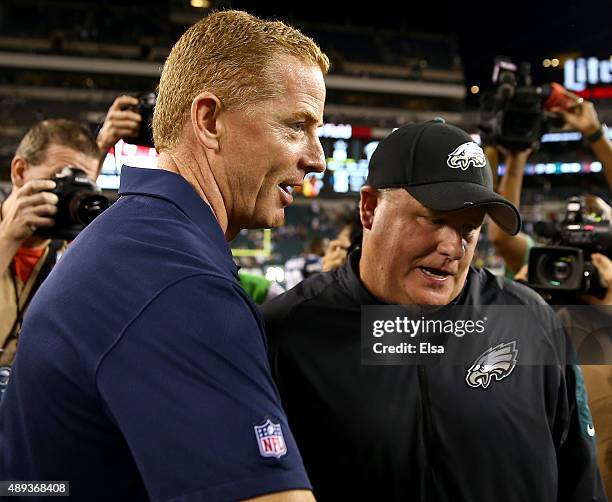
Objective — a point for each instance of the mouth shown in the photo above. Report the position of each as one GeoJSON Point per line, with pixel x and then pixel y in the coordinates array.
{"type": "Point", "coordinates": [437, 274]}
{"type": "Point", "coordinates": [285, 187]}
{"type": "Point", "coordinates": [286, 190]}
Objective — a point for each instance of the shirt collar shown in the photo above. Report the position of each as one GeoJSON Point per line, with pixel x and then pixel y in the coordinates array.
{"type": "Point", "coordinates": [165, 185]}
{"type": "Point", "coordinates": [176, 190]}
{"type": "Point", "coordinates": [349, 276]}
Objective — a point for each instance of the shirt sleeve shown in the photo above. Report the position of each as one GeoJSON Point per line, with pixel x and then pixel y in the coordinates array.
{"type": "Point", "coordinates": [189, 387]}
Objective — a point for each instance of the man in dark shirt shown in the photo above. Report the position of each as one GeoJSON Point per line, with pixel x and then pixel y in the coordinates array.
{"type": "Point", "coordinates": [509, 425]}
{"type": "Point", "coordinates": [141, 372]}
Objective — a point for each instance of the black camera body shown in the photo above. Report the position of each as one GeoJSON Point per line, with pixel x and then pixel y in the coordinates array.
{"type": "Point", "coordinates": [145, 106]}
{"type": "Point", "coordinates": [80, 201]}
{"type": "Point", "coordinates": [514, 115]}
{"type": "Point", "coordinates": [565, 267]}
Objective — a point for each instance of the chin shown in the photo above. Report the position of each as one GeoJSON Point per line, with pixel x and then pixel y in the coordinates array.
{"type": "Point", "coordinates": [432, 297]}
{"type": "Point", "coordinates": [269, 219]}
{"type": "Point", "coordinates": [436, 301]}
{"type": "Point", "coordinates": [278, 216]}
{"type": "Point", "coordinates": [279, 221]}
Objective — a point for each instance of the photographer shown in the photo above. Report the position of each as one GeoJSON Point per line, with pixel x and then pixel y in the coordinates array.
{"type": "Point", "coordinates": [26, 258]}
{"type": "Point", "coordinates": [515, 249]}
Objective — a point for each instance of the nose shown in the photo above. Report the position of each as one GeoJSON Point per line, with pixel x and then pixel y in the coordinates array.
{"type": "Point", "coordinates": [451, 242]}
{"type": "Point", "coordinates": [314, 157]}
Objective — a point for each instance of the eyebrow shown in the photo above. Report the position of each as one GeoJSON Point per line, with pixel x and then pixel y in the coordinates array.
{"type": "Point", "coordinates": [306, 116]}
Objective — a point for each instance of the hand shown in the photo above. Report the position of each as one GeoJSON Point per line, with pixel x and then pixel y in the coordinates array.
{"type": "Point", "coordinates": [580, 117]}
{"type": "Point", "coordinates": [119, 123]}
{"type": "Point", "coordinates": [522, 275]}
{"type": "Point", "coordinates": [492, 153]}
{"type": "Point", "coordinates": [336, 254]}
{"type": "Point", "coordinates": [509, 155]}
{"type": "Point", "coordinates": [26, 209]}
{"type": "Point", "coordinates": [604, 268]}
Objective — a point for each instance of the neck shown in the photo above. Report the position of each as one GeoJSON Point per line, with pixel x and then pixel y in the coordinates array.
{"type": "Point", "coordinates": [367, 270]}
{"type": "Point", "coordinates": [197, 172]}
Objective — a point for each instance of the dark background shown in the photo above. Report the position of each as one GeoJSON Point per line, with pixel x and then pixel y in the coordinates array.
{"type": "Point", "coordinates": [523, 31]}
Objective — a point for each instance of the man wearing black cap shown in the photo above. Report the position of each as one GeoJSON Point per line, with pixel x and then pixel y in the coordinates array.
{"type": "Point", "coordinates": [428, 432]}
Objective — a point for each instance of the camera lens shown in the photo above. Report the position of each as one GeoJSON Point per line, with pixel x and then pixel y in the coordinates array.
{"type": "Point", "coordinates": [556, 270]}
{"type": "Point", "coordinates": [86, 206]}
{"type": "Point", "coordinates": [561, 270]}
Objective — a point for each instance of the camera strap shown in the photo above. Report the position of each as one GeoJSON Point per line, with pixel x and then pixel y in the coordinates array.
{"type": "Point", "coordinates": [48, 264]}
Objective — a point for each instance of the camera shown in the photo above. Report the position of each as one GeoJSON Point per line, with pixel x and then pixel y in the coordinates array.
{"type": "Point", "coordinates": [80, 201]}
{"type": "Point", "coordinates": [516, 114]}
{"type": "Point", "coordinates": [145, 106]}
{"type": "Point", "coordinates": [565, 268]}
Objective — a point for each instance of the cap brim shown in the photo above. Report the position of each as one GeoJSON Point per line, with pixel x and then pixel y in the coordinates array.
{"type": "Point", "coordinates": [455, 195]}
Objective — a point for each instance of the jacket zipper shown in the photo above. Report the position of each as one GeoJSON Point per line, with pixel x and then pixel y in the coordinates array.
{"type": "Point", "coordinates": [429, 435]}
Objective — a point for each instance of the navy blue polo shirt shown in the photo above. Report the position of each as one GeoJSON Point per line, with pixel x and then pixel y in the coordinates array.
{"type": "Point", "coordinates": [141, 371]}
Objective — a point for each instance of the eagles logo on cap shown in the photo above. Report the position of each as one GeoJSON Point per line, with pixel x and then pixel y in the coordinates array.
{"type": "Point", "coordinates": [466, 154]}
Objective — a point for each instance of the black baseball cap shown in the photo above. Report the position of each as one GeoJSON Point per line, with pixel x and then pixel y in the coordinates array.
{"type": "Point", "coordinates": [443, 168]}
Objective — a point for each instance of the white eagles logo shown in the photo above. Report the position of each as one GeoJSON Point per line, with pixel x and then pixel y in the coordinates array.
{"type": "Point", "coordinates": [495, 362]}
{"type": "Point", "coordinates": [466, 154]}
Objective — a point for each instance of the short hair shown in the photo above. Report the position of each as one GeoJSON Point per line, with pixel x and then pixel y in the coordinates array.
{"type": "Point", "coordinates": [231, 54]}
{"type": "Point", "coordinates": [33, 146]}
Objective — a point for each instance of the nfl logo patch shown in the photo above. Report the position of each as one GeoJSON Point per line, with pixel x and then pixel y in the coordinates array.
{"type": "Point", "coordinates": [270, 439]}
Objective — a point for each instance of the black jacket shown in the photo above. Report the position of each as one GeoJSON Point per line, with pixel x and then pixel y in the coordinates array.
{"type": "Point", "coordinates": [421, 433]}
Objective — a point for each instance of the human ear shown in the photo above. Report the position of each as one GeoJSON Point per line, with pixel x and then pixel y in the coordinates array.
{"type": "Point", "coordinates": [19, 169]}
{"type": "Point", "coordinates": [205, 112]}
{"type": "Point", "coordinates": [368, 201]}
